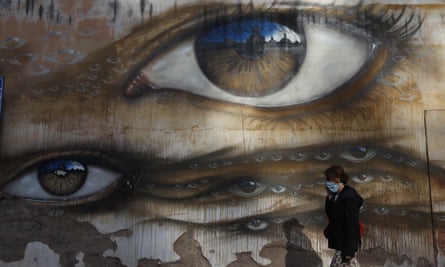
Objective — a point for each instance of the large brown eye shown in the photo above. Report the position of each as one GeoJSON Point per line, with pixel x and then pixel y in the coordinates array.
{"type": "Point", "coordinates": [62, 177]}
{"type": "Point", "coordinates": [266, 61]}
{"type": "Point", "coordinates": [250, 57]}
{"type": "Point", "coordinates": [64, 181]}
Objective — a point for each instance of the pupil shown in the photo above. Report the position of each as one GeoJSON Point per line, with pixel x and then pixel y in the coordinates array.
{"type": "Point", "coordinates": [247, 186]}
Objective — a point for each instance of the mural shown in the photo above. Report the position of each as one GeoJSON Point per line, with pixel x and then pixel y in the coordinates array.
{"type": "Point", "coordinates": [195, 133]}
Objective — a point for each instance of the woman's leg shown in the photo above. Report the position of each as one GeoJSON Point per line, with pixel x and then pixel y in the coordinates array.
{"type": "Point", "coordinates": [338, 262]}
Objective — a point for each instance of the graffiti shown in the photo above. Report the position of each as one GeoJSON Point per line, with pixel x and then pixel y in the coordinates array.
{"type": "Point", "coordinates": [141, 133]}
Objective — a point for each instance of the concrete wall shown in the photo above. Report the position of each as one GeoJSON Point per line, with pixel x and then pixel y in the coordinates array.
{"type": "Point", "coordinates": [195, 133]}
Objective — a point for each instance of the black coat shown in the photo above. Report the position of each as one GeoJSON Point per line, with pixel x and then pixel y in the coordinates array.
{"type": "Point", "coordinates": [343, 214]}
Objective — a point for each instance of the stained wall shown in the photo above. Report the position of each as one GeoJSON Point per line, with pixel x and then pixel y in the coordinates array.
{"type": "Point", "coordinates": [195, 133]}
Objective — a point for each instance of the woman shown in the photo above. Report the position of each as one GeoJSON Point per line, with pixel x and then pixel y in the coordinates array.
{"type": "Point", "coordinates": [342, 208]}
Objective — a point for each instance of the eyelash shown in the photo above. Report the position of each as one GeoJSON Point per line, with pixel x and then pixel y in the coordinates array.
{"type": "Point", "coordinates": [381, 23]}
{"type": "Point", "coordinates": [399, 32]}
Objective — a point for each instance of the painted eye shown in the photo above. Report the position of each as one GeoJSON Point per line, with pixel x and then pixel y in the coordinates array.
{"type": "Point", "coordinates": [381, 210]}
{"type": "Point", "coordinates": [262, 62]}
{"type": "Point", "coordinates": [63, 182]}
{"type": "Point", "coordinates": [247, 189]}
{"type": "Point", "coordinates": [387, 177]}
{"type": "Point", "coordinates": [362, 178]}
{"type": "Point", "coordinates": [278, 189]}
{"type": "Point", "coordinates": [358, 154]}
{"type": "Point", "coordinates": [257, 225]}
{"type": "Point", "coordinates": [323, 155]}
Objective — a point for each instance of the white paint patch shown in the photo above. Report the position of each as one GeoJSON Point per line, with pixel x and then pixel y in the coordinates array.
{"type": "Point", "coordinates": [79, 258]}
{"type": "Point", "coordinates": [221, 254]}
{"type": "Point", "coordinates": [37, 254]}
{"type": "Point", "coordinates": [150, 241]}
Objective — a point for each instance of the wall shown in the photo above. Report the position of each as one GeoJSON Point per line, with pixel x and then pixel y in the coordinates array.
{"type": "Point", "coordinates": [196, 133]}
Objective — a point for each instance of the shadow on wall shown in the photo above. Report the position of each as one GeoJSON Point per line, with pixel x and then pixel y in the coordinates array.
{"type": "Point", "coordinates": [299, 247]}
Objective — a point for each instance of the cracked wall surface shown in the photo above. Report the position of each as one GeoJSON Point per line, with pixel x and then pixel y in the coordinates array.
{"type": "Point", "coordinates": [195, 133]}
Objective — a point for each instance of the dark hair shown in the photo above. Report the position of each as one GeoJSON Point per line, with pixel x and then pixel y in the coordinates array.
{"type": "Point", "coordinates": [336, 172]}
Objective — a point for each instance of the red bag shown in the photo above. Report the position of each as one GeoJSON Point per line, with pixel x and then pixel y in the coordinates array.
{"type": "Point", "coordinates": [325, 231]}
{"type": "Point", "coordinates": [361, 225]}
{"type": "Point", "coordinates": [362, 228]}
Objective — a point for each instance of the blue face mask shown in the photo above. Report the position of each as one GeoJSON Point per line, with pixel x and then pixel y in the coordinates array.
{"type": "Point", "coordinates": [332, 186]}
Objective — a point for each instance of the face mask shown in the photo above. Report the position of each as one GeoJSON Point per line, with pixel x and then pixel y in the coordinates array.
{"type": "Point", "coordinates": [332, 186]}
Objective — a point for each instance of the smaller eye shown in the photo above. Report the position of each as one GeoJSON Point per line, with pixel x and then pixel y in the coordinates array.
{"type": "Point", "coordinates": [402, 213]}
{"type": "Point", "coordinates": [247, 188]}
{"type": "Point", "coordinates": [362, 178]}
{"type": "Point", "coordinates": [278, 189]}
{"type": "Point", "coordinates": [358, 154]}
{"type": "Point", "coordinates": [257, 225]}
{"type": "Point", "coordinates": [298, 156]}
{"type": "Point", "coordinates": [413, 163]}
{"type": "Point", "coordinates": [381, 210]}
{"type": "Point", "coordinates": [387, 178]}
{"type": "Point", "coordinates": [323, 156]}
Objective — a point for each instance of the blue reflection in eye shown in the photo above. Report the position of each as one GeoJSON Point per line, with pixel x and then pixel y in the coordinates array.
{"type": "Point", "coordinates": [261, 52]}
{"type": "Point", "coordinates": [278, 189]}
{"type": "Point", "coordinates": [241, 32]}
{"type": "Point", "coordinates": [247, 188]}
{"type": "Point", "coordinates": [62, 177]}
{"type": "Point", "coordinates": [358, 154]}
{"type": "Point", "coordinates": [257, 224]}
{"type": "Point", "coordinates": [63, 182]}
